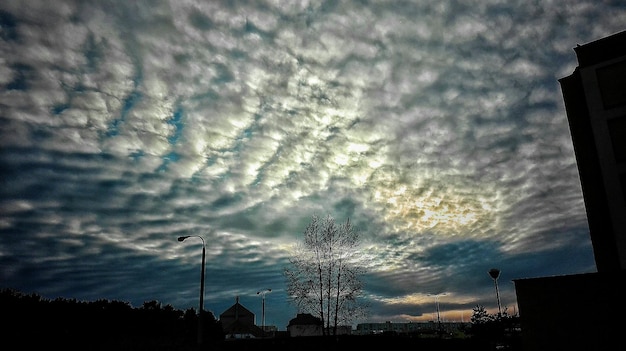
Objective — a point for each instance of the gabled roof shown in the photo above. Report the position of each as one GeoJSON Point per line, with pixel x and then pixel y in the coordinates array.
{"type": "Point", "coordinates": [236, 311]}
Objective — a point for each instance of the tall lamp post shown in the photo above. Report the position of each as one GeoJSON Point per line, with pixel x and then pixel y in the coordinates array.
{"type": "Point", "coordinates": [495, 273]}
{"type": "Point", "coordinates": [437, 306]}
{"type": "Point", "coordinates": [262, 293]}
{"type": "Point", "coordinates": [201, 308]}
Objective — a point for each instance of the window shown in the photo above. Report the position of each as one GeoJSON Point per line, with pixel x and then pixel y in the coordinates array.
{"type": "Point", "coordinates": [612, 82]}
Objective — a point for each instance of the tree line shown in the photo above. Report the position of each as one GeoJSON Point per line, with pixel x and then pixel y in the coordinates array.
{"type": "Point", "coordinates": [33, 321]}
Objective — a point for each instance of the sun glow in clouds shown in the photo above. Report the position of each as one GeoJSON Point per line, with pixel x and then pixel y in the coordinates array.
{"type": "Point", "coordinates": [446, 213]}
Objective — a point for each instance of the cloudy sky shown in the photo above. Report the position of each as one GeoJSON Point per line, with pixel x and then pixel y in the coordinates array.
{"type": "Point", "coordinates": [437, 127]}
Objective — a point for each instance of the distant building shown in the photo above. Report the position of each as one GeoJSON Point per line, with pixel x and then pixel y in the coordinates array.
{"type": "Point", "coordinates": [341, 330]}
{"type": "Point", "coordinates": [582, 311]}
{"type": "Point", "coordinates": [305, 324]}
{"type": "Point", "coordinates": [239, 323]}
{"type": "Point", "coordinates": [411, 328]}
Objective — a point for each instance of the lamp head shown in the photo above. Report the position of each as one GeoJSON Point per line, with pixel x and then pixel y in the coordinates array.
{"type": "Point", "coordinates": [494, 273]}
{"type": "Point", "coordinates": [181, 238]}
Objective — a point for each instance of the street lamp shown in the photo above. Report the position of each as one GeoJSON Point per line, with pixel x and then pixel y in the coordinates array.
{"type": "Point", "coordinates": [201, 308]}
{"type": "Point", "coordinates": [495, 273]}
{"type": "Point", "coordinates": [437, 305]}
{"type": "Point", "coordinates": [263, 292]}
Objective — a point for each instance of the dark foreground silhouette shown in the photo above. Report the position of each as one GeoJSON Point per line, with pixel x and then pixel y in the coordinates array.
{"type": "Point", "coordinates": [359, 342]}
{"type": "Point", "coordinates": [31, 322]}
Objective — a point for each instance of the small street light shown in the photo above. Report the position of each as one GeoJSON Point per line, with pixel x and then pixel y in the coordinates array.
{"type": "Point", "coordinates": [262, 293]}
{"type": "Point", "coordinates": [201, 308]}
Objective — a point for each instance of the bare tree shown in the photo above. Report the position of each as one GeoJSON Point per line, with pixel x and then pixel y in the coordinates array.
{"type": "Point", "coordinates": [324, 277]}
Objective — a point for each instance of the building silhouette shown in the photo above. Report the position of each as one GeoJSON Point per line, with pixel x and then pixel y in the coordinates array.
{"type": "Point", "coordinates": [305, 324]}
{"type": "Point", "coordinates": [585, 311]}
{"type": "Point", "coordinates": [238, 322]}
{"type": "Point", "coordinates": [595, 102]}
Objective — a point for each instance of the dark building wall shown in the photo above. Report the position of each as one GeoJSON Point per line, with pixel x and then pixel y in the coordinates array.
{"type": "Point", "coordinates": [595, 103]}
{"type": "Point", "coordinates": [572, 312]}
{"type": "Point", "coordinates": [585, 312]}
{"type": "Point", "coordinates": [594, 193]}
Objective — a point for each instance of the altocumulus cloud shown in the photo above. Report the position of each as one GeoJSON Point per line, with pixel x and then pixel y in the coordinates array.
{"type": "Point", "coordinates": [438, 129]}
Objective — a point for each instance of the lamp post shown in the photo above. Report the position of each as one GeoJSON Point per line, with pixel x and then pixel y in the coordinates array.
{"type": "Point", "coordinates": [437, 306]}
{"type": "Point", "coordinates": [262, 293]}
{"type": "Point", "coordinates": [201, 308]}
{"type": "Point", "coordinates": [495, 273]}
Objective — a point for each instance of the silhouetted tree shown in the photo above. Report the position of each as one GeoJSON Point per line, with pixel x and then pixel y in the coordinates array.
{"type": "Point", "coordinates": [496, 328]}
{"type": "Point", "coordinates": [324, 277]}
{"type": "Point", "coordinates": [480, 315]}
{"type": "Point", "coordinates": [213, 330]}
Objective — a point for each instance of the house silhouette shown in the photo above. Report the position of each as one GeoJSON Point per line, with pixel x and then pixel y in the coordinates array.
{"type": "Point", "coordinates": [305, 324]}
{"type": "Point", "coordinates": [238, 322]}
